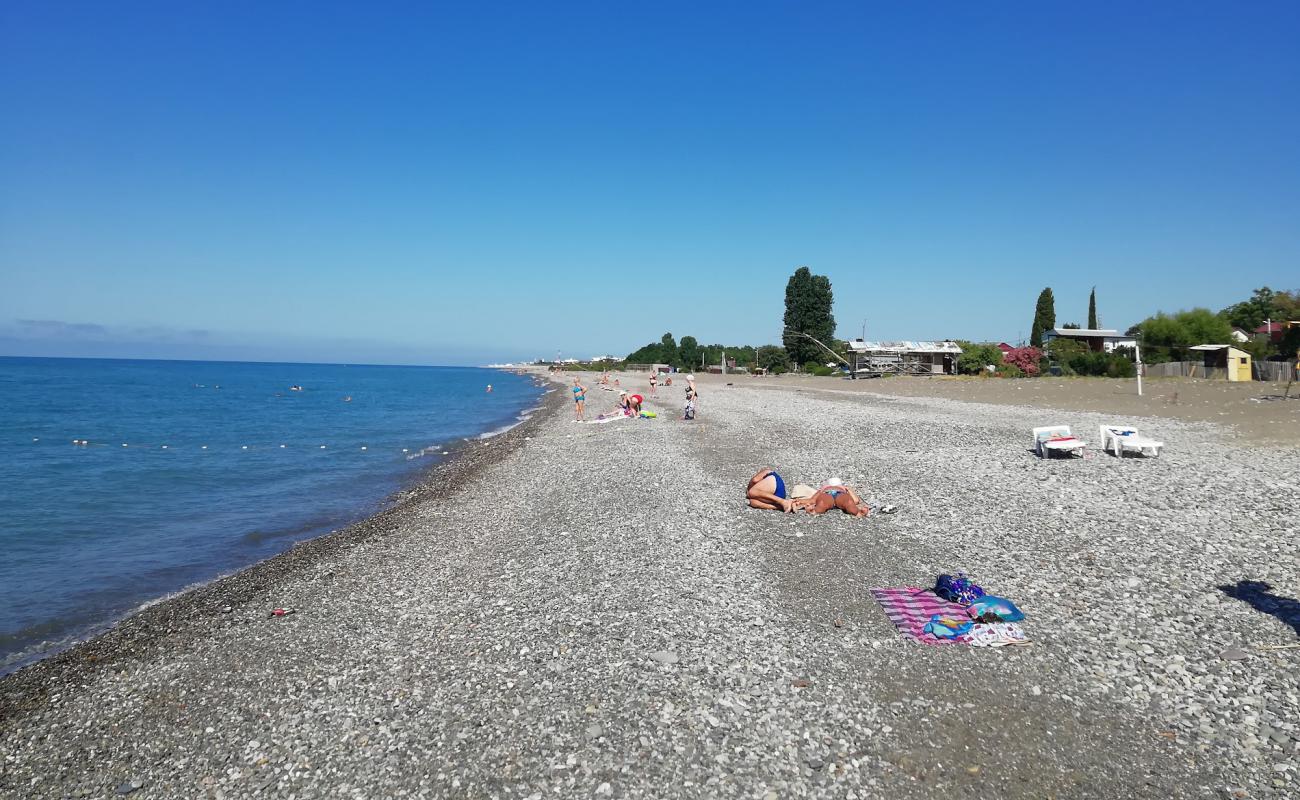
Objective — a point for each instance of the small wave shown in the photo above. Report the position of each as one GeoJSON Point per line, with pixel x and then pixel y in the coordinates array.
{"type": "Point", "coordinates": [431, 450]}
{"type": "Point", "coordinates": [502, 429]}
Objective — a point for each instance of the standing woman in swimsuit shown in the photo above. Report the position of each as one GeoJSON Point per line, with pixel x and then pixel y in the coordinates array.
{"type": "Point", "coordinates": [654, 381]}
{"type": "Point", "coordinates": [579, 399]}
{"type": "Point", "coordinates": [767, 490]}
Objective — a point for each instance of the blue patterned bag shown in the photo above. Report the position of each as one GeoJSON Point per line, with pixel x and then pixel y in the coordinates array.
{"type": "Point", "coordinates": [958, 589]}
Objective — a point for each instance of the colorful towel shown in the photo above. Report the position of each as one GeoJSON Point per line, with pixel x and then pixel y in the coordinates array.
{"type": "Point", "coordinates": [910, 608]}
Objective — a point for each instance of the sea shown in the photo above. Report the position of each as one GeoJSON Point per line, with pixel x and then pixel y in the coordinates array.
{"type": "Point", "coordinates": [122, 481]}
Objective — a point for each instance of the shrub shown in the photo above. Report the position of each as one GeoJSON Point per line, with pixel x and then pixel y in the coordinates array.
{"type": "Point", "coordinates": [975, 358]}
{"type": "Point", "coordinates": [1023, 359]}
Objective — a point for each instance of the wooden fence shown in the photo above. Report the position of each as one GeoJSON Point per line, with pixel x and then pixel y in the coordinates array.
{"type": "Point", "coordinates": [1263, 370]}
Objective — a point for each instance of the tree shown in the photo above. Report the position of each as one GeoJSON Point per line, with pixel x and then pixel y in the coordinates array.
{"type": "Point", "coordinates": [1250, 314]}
{"type": "Point", "coordinates": [1184, 329]}
{"type": "Point", "coordinates": [688, 352]}
{"type": "Point", "coordinates": [1036, 334]}
{"type": "Point", "coordinates": [668, 349]}
{"type": "Point", "coordinates": [1044, 316]}
{"type": "Point", "coordinates": [808, 303]}
{"type": "Point", "coordinates": [975, 359]}
{"type": "Point", "coordinates": [1092, 309]}
{"type": "Point", "coordinates": [1070, 326]}
{"type": "Point", "coordinates": [773, 358]}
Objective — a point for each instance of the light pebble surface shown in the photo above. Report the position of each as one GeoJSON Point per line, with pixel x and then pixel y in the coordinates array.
{"type": "Point", "coordinates": [591, 610]}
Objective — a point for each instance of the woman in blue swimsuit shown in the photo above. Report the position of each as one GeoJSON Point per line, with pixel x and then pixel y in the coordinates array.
{"type": "Point", "coordinates": [767, 490]}
{"type": "Point", "coordinates": [579, 399]}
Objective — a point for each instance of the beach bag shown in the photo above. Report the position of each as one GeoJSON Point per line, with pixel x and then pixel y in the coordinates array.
{"type": "Point", "coordinates": [1000, 607]}
{"type": "Point", "coordinates": [958, 589]}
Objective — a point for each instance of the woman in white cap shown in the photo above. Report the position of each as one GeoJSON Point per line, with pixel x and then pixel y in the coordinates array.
{"type": "Point", "coordinates": [692, 398]}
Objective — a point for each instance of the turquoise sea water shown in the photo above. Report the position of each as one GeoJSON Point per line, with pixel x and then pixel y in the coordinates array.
{"type": "Point", "coordinates": [224, 464]}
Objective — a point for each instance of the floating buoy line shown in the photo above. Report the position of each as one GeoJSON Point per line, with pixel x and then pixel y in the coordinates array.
{"type": "Point", "coordinates": [408, 452]}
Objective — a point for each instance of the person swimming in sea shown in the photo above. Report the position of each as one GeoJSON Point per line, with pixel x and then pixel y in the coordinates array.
{"type": "Point", "coordinates": [579, 399]}
{"type": "Point", "coordinates": [489, 389]}
{"type": "Point", "coordinates": [767, 490]}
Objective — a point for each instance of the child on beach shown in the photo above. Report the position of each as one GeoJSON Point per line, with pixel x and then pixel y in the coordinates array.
{"type": "Point", "coordinates": [579, 399]}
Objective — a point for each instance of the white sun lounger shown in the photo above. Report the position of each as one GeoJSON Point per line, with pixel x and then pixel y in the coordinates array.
{"type": "Point", "coordinates": [1057, 439]}
{"type": "Point", "coordinates": [1121, 438]}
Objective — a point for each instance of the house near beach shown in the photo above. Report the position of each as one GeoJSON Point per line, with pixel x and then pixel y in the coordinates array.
{"type": "Point", "coordinates": [1098, 340]}
{"type": "Point", "coordinates": [903, 358]}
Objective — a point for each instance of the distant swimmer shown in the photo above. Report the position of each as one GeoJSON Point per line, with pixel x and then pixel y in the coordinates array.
{"type": "Point", "coordinates": [295, 388]}
{"type": "Point", "coordinates": [489, 389]}
{"type": "Point", "coordinates": [348, 399]}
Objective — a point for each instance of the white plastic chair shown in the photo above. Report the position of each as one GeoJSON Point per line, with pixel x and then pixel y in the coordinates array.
{"type": "Point", "coordinates": [1119, 438]}
{"type": "Point", "coordinates": [1057, 439]}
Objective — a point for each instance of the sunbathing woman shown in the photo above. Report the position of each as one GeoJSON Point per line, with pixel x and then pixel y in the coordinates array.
{"type": "Point", "coordinates": [767, 490]}
{"type": "Point", "coordinates": [836, 495]}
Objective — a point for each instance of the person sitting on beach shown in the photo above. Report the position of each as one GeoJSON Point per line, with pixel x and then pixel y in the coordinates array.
{"type": "Point", "coordinates": [629, 404]}
{"type": "Point", "coordinates": [767, 490]}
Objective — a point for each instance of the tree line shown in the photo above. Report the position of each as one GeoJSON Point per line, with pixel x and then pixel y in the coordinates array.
{"type": "Point", "coordinates": [808, 319]}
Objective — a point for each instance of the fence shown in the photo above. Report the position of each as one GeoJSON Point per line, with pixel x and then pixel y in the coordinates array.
{"type": "Point", "coordinates": [1274, 370]}
{"type": "Point", "coordinates": [1263, 370]}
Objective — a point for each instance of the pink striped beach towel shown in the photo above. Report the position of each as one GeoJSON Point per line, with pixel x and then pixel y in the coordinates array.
{"type": "Point", "coordinates": [910, 608]}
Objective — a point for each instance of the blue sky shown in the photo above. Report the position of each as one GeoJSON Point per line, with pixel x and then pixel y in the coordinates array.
{"type": "Point", "coordinates": [416, 183]}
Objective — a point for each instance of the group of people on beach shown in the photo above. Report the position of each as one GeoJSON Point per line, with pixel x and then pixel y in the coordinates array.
{"type": "Point", "coordinates": [629, 403]}
{"type": "Point", "coordinates": [768, 490]}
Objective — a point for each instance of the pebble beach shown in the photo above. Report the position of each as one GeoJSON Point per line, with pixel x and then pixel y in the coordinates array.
{"type": "Point", "coordinates": [571, 610]}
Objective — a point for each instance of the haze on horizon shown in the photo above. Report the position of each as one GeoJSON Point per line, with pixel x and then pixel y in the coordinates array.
{"type": "Point", "coordinates": [499, 181]}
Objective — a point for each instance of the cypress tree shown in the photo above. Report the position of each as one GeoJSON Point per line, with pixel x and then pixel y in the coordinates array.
{"type": "Point", "coordinates": [1036, 334]}
{"type": "Point", "coordinates": [1045, 312]}
{"type": "Point", "coordinates": [1092, 309]}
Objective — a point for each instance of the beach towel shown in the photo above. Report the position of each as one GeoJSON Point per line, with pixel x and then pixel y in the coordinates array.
{"type": "Point", "coordinates": [910, 609]}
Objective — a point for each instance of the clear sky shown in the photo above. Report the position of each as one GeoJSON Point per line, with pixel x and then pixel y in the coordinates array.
{"type": "Point", "coordinates": [427, 183]}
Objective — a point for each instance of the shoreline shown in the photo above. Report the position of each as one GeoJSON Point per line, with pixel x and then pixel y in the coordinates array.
{"type": "Point", "coordinates": [594, 611]}
{"type": "Point", "coordinates": [139, 633]}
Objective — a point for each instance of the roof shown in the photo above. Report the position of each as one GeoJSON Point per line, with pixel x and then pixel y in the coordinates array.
{"type": "Point", "coordinates": [1086, 333]}
{"type": "Point", "coordinates": [1215, 347]}
{"type": "Point", "coordinates": [859, 346]}
{"type": "Point", "coordinates": [1270, 327]}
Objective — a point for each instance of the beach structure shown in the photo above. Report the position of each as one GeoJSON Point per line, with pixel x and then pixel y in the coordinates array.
{"type": "Point", "coordinates": [1224, 361]}
{"type": "Point", "coordinates": [903, 358]}
{"type": "Point", "coordinates": [1098, 340]}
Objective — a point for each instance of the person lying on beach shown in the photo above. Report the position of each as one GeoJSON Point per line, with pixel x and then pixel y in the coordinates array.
{"type": "Point", "coordinates": [834, 494]}
{"type": "Point", "coordinates": [767, 490]}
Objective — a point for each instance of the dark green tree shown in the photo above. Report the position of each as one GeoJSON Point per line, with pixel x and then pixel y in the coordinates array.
{"type": "Point", "coordinates": [1070, 326]}
{"type": "Point", "coordinates": [1250, 314]}
{"type": "Point", "coordinates": [1035, 334]}
{"type": "Point", "coordinates": [773, 358]}
{"type": "Point", "coordinates": [668, 349]}
{"type": "Point", "coordinates": [1092, 309]}
{"type": "Point", "coordinates": [808, 303]}
{"type": "Point", "coordinates": [688, 353]}
{"type": "Point", "coordinates": [1044, 315]}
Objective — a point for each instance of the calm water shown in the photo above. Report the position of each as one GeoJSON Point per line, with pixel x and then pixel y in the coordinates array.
{"type": "Point", "coordinates": [89, 532]}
